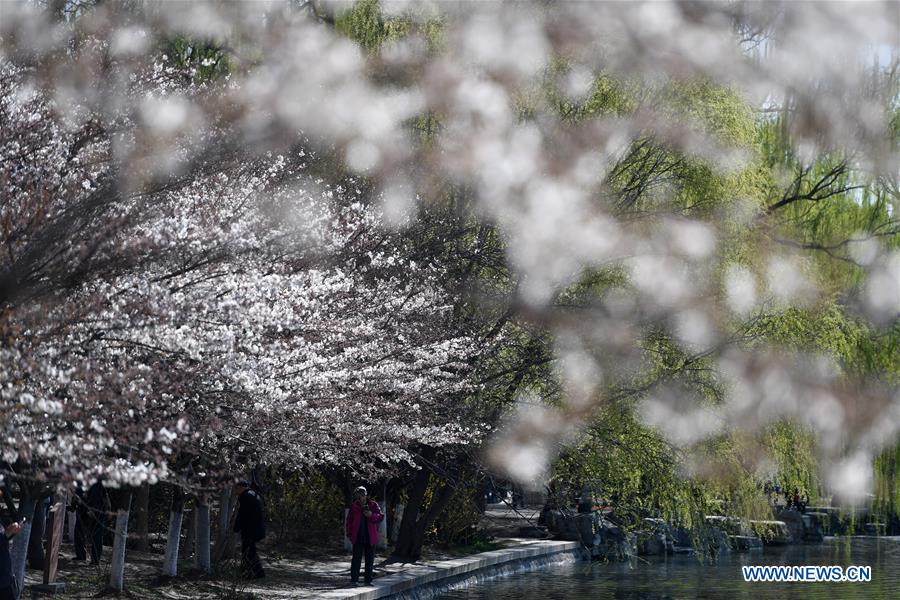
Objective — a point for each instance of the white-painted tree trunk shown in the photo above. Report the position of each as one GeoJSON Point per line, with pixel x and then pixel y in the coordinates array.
{"type": "Point", "coordinates": [224, 516]}
{"type": "Point", "coordinates": [223, 534]}
{"type": "Point", "coordinates": [18, 553]}
{"type": "Point", "coordinates": [117, 565]}
{"type": "Point", "coordinates": [382, 528]}
{"type": "Point", "coordinates": [395, 523]}
{"type": "Point", "coordinates": [348, 546]}
{"type": "Point", "coordinates": [201, 551]}
{"type": "Point", "coordinates": [170, 562]}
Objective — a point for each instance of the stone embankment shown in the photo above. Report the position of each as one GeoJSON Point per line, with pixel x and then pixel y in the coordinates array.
{"type": "Point", "coordinates": [428, 581]}
{"type": "Point", "coordinates": [603, 539]}
{"type": "Point", "coordinates": [598, 536]}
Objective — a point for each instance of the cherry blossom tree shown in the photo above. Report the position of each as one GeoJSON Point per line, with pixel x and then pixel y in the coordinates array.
{"type": "Point", "coordinates": [208, 323]}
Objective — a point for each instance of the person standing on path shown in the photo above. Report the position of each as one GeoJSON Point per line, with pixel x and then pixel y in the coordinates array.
{"type": "Point", "coordinates": [250, 523]}
{"type": "Point", "coordinates": [82, 516]}
{"type": "Point", "coordinates": [94, 513]}
{"type": "Point", "coordinates": [8, 586]}
{"type": "Point", "coordinates": [362, 529]}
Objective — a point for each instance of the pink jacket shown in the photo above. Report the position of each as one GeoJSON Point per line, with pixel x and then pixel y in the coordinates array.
{"type": "Point", "coordinates": [355, 517]}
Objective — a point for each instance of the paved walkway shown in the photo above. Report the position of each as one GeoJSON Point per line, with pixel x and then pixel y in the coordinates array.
{"type": "Point", "coordinates": [439, 571]}
{"type": "Point", "coordinates": [298, 571]}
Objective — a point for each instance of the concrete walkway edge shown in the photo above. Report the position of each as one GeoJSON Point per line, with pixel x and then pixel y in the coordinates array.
{"type": "Point", "coordinates": [421, 575]}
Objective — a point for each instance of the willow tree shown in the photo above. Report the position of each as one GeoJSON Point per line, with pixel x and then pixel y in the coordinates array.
{"type": "Point", "coordinates": [703, 190]}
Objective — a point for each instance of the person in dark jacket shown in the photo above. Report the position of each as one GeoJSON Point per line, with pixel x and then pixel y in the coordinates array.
{"type": "Point", "coordinates": [250, 523]}
{"type": "Point", "coordinates": [79, 510]}
{"type": "Point", "coordinates": [7, 579]}
{"type": "Point", "coordinates": [362, 529]}
{"type": "Point", "coordinates": [92, 510]}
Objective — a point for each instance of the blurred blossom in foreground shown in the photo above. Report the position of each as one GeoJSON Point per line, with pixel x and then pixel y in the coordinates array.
{"type": "Point", "coordinates": [504, 96]}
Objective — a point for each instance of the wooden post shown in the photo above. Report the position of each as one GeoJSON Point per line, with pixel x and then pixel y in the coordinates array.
{"type": "Point", "coordinates": [51, 560]}
{"type": "Point", "coordinates": [57, 516]}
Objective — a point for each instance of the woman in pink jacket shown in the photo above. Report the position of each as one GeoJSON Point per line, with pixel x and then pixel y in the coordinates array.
{"type": "Point", "coordinates": [362, 529]}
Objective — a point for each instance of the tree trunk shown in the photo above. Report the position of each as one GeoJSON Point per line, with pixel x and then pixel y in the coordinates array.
{"type": "Point", "coordinates": [394, 532]}
{"type": "Point", "coordinates": [117, 563]}
{"type": "Point", "coordinates": [409, 548]}
{"type": "Point", "coordinates": [173, 536]}
{"type": "Point", "coordinates": [19, 549]}
{"type": "Point", "coordinates": [390, 510]}
{"type": "Point", "coordinates": [36, 539]}
{"type": "Point", "coordinates": [481, 494]}
{"type": "Point", "coordinates": [223, 535]}
{"type": "Point", "coordinates": [347, 485]}
{"type": "Point", "coordinates": [404, 544]}
{"type": "Point", "coordinates": [348, 545]}
{"type": "Point", "coordinates": [142, 518]}
{"type": "Point", "coordinates": [201, 555]}
{"type": "Point", "coordinates": [382, 527]}
{"type": "Point", "coordinates": [411, 536]}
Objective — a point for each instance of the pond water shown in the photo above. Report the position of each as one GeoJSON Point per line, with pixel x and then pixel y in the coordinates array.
{"type": "Point", "coordinates": [684, 577]}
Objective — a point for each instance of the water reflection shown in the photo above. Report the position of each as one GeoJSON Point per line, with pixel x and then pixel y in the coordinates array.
{"type": "Point", "coordinates": [684, 577]}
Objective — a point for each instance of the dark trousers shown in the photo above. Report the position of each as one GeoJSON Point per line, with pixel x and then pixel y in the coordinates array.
{"type": "Point", "coordinates": [88, 530]}
{"type": "Point", "coordinates": [7, 593]}
{"type": "Point", "coordinates": [92, 529]}
{"type": "Point", "coordinates": [358, 550]}
{"type": "Point", "coordinates": [251, 567]}
{"type": "Point", "coordinates": [78, 542]}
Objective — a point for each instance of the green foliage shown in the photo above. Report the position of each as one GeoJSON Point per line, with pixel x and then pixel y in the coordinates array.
{"type": "Point", "coordinates": [887, 485]}
{"type": "Point", "coordinates": [629, 464]}
{"type": "Point", "coordinates": [206, 61]}
{"type": "Point", "coordinates": [653, 176]}
{"type": "Point", "coordinates": [793, 450]}
{"type": "Point", "coordinates": [720, 111]}
{"type": "Point", "coordinates": [606, 96]}
{"type": "Point", "coordinates": [633, 462]}
{"type": "Point", "coordinates": [366, 24]}
{"type": "Point", "coordinates": [827, 328]}
{"type": "Point", "coordinates": [456, 525]}
{"type": "Point", "coordinates": [428, 126]}
{"type": "Point", "coordinates": [828, 205]}
{"type": "Point", "coordinates": [305, 504]}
